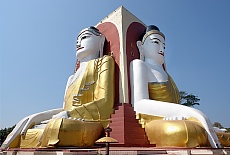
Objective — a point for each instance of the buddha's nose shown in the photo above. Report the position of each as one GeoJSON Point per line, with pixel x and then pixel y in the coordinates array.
{"type": "Point", "coordinates": [162, 48]}
{"type": "Point", "coordinates": [162, 53]}
{"type": "Point", "coordinates": [78, 44]}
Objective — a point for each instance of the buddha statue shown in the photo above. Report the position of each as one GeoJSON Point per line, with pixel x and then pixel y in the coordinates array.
{"type": "Point", "coordinates": [155, 98]}
{"type": "Point", "coordinates": [88, 102]}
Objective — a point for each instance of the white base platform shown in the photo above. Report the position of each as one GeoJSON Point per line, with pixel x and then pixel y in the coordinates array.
{"type": "Point", "coordinates": [118, 151]}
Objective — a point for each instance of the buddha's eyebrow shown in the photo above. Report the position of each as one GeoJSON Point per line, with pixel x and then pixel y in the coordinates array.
{"type": "Point", "coordinates": [156, 39]}
{"type": "Point", "coordinates": [84, 34]}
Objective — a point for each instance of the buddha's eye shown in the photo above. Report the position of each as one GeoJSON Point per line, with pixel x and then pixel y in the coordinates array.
{"type": "Point", "coordinates": [156, 42]}
{"type": "Point", "coordinates": [164, 47]}
{"type": "Point", "coordinates": [84, 37]}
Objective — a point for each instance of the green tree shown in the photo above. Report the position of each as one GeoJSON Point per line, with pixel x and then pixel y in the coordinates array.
{"type": "Point", "coordinates": [4, 133]}
{"type": "Point", "coordinates": [218, 125]}
{"type": "Point", "coordinates": [188, 99]}
{"type": "Point", "coordinates": [228, 129]}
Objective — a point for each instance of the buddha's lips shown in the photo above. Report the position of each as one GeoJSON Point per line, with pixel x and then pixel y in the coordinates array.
{"type": "Point", "coordinates": [79, 48]}
{"type": "Point", "coordinates": [161, 53]}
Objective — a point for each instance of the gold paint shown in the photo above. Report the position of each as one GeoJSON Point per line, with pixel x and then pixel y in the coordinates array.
{"type": "Point", "coordinates": [90, 98]}
{"type": "Point", "coordinates": [176, 133]}
{"type": "Point", "coordinates": [24, 140]}
{"type": "Point", "coordinates": [145, 118]}
{"type": "Point", "coordinates": [51, 132]}
{"type": "Point", "coordinates": [71, 133]}
{"type": "Point", "coordinates": [106, 140]}
{"type": "Point", "coordinates": [32, 139]}
{"type": "Point", "coordinates": [171, 133]}
{"type": "Point", "coordinates": [194, 120]}
{"type": "Point", "coordinates": [164, 91]}
{"type": "Point", "coordinates": [131, 45]}
{"type": "Point", "coordinates": [97, 102]}
{"type": "Point", "coordinates": [152, 32]}
{"type": "Point", "coordinates": [15, 143]}
{"type": "Point", "coordinates": [224, 138]}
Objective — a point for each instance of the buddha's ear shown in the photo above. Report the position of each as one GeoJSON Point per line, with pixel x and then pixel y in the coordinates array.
{"type": "Point", "coordinates": [139, 45]}
{"type": "Point", "coordinates": [101, 45]}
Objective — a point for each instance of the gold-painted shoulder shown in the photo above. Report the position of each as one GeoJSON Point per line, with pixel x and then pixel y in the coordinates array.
{"type": "Point", "coordinates": [107, 58]}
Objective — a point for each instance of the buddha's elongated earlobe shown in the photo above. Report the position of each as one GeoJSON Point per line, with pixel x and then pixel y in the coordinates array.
{"type": "Point", "coordinates": [139, 45]}
{"type": "Point", "coordinates": [101, 45]}
{"type": "Point", "coordinates": [142, 57]}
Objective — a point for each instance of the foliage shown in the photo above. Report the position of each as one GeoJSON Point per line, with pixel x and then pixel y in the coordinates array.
{"type": "Point", "coordinates": [218, 125]}
{"type": "Point", "coordinates": [188, 99]}
{"type": "Point", "coordinates": [228, 129]}
{"type": "Point", "coordinates": [4, 133]}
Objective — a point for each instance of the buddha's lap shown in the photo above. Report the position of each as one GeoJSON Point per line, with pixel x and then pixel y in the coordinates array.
{"type": "Point", "coordinates": [178, 133]}
{"type": "Point", "coordinates": [63, 132]}
{"type": "Point", "coordinates": [224, 138]}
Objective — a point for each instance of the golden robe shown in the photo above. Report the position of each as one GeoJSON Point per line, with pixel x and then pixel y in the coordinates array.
{"type": "Point", "coordinates": [171, 133]}
{"type": "Point", "coordinates": [90, 98]}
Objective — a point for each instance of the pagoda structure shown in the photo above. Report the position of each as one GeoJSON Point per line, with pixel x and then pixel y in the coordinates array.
{"type": "Point", "coordinates": [121, 29]}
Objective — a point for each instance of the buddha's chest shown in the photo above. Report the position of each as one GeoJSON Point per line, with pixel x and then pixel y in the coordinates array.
{"type": "Point", "coordinates": [156, 75]}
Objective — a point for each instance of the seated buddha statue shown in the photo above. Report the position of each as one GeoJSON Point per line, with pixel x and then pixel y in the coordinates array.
{"type": "Point", "coordinates": [155, 98]}
{"type": "Point", "coordinates": [88, 102]}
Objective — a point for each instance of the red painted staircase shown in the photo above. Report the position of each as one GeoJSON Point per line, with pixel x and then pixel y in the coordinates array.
{"type": "Point", "coordinates": [126, 129]}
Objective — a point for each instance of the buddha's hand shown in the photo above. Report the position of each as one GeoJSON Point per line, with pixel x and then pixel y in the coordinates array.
{"type": "Point", "coordinates": [62, 114]}
{"type": "Point", "coordinates": [175, 118]}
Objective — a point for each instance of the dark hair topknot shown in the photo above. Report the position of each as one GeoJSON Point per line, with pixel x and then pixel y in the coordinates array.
{"type": "Point", "coordinates": [152, 27]}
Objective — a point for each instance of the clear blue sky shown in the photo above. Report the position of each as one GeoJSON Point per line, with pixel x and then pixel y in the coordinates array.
{"type": "Point", "coordinates": [37, 50]}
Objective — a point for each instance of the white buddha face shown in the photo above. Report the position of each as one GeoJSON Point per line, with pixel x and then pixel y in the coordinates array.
{"type": "Point", "coordinates": [88, 45]}
{"type": "Point", "coordinates": [154, 48]}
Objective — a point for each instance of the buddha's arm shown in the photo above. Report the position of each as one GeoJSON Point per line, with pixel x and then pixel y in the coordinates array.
{"type": "Point", "coordinates": [28, 122]}
{"type": "Point", "coordinates": [165, 109]}
{"type": "Point", "coordinates": [38, 118]}
{"type": "Point", "coordinates": [138, 81]}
